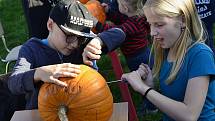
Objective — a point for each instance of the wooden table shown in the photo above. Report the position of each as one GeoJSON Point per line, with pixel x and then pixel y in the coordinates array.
{"type": "Point", "coordinates": [120, 113]}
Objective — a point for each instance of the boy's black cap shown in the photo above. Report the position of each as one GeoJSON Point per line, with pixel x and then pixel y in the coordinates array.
{"type": "Point", "coordinates": [73, 17]}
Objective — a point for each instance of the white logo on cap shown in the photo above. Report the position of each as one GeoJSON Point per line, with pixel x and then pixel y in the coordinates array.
{"type": "Point", "coordinates": [80, 21]}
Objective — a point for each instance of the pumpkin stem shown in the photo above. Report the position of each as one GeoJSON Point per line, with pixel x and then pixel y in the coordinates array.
{"type": "Point", "coordinates": [62, 113]}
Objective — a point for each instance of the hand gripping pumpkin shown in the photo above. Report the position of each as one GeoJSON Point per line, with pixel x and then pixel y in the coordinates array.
{"type": "Point", "coordinates": [87, 98]}
{"type": "Point", "coordinates": [96, 9]}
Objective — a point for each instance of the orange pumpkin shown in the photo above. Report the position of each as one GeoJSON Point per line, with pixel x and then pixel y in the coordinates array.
{"type": "Point", "coordinates": [96, 9]}
{"type": "Point", "coordinates": [87, 98]}
{"type": "Point", "coordinates": [84, 1]}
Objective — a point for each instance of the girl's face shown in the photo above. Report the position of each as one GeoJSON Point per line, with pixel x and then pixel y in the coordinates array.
{"type": "Point", "coordinates": [164, 30]}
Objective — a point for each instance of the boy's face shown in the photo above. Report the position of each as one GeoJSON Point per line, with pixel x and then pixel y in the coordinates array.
{"type": "Point", "coordinates": [62, 41]}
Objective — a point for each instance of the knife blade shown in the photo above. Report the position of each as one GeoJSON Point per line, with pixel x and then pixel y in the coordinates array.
{"type": "Point", "coordinates": [114, 81]}
{"type": "Point", "coordinates": [95, 65]}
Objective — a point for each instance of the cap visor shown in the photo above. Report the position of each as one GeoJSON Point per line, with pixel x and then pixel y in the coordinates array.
{"type": "Point", "coordinates": [90, 35]}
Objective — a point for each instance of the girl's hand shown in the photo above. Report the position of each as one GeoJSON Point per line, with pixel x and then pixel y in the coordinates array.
{"type": "Point", "coordinates": [146, 74]}
{"type": "Point", "coordinates": [51, 73]}
{"type": "Point", "coordinates": [134, 79]}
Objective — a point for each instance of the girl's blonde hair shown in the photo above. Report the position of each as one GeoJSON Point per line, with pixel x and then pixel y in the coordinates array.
{"type": "Point", "coordinates": [191, 34]}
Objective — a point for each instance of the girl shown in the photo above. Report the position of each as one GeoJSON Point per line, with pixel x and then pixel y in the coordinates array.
{"type": "Point", "coordinates": [184, 65]}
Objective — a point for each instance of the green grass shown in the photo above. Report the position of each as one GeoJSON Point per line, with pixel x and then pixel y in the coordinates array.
{"type": "Point", "coordinates": [14, 23]}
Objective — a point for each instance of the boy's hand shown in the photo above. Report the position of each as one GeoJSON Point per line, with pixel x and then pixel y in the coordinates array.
{"type": "Point", "coordinates": [51, 73]}
{"type": "Point", "coordinates": [92, 51]}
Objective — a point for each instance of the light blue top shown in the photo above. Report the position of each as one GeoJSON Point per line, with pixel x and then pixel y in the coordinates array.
{"type": "Point", "coordinates": [199, 61]}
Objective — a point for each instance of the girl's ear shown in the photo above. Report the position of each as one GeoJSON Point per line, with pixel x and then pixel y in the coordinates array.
{"type": "Point", "coordinates": [50, 23]}
{"type": "Point", "coordinates": [183, 22]}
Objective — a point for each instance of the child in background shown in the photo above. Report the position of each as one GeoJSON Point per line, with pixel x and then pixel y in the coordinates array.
{"type": "Point", "coordinates": [128, 18]}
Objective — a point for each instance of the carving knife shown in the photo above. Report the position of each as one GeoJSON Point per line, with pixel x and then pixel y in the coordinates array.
{"type": "Point", "coordinates": [109, 82]}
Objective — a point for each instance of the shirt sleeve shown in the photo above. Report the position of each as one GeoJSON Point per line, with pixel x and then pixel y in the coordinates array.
{"type": "Point", "coordinates": [202, 64]}
{"type": "Point", "coordinates": [112, 39]}
{"type": "Point", "coordinates": [22, 78]}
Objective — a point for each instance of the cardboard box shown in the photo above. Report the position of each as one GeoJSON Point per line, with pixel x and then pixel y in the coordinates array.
{"type": "Point", "coordinates": [120, 113]}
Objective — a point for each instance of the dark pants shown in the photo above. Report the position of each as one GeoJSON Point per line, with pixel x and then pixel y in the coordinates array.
{"type": "Point", "coordinates": [9, 102]}
{"type": "Point", "coordinates": [37, 14]}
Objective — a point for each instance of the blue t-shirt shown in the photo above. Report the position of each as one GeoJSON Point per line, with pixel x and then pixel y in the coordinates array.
{"type": "Point", "coordinates": [199, 61]}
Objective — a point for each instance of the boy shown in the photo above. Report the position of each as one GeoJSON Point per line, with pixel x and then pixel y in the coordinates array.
{"type": "Point", "coordinates": [46, 60]}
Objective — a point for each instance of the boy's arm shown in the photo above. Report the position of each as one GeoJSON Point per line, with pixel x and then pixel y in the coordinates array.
{"type": "Point", "coordinates": [26, 75]}
{"type": "Point", "coordinates": [112, 39]}
{"type": "Point", "coordinates": [105, 42]}
{"type": "Point", "coordinates": [22, 78]}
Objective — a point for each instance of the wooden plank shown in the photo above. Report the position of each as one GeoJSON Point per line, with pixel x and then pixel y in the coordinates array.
{"type": "Point", "coordinates": [126, 96]}
{"type": "Point", "coordinates": [26, 115]}
{"type": "Point", "coordinates": [120, 113]}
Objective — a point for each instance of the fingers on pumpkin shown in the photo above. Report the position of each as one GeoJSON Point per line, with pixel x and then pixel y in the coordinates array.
{"type": "Point", "coordinates": [58, 82]}
{"type": "Point", "coordinates": [69, 71]}
{"type": "Point", "coordinates": [66, 69]}
{"type": "Point", "coordinates": [69, 65]}
{"type": "Point", "coordinates": [65, 74]}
